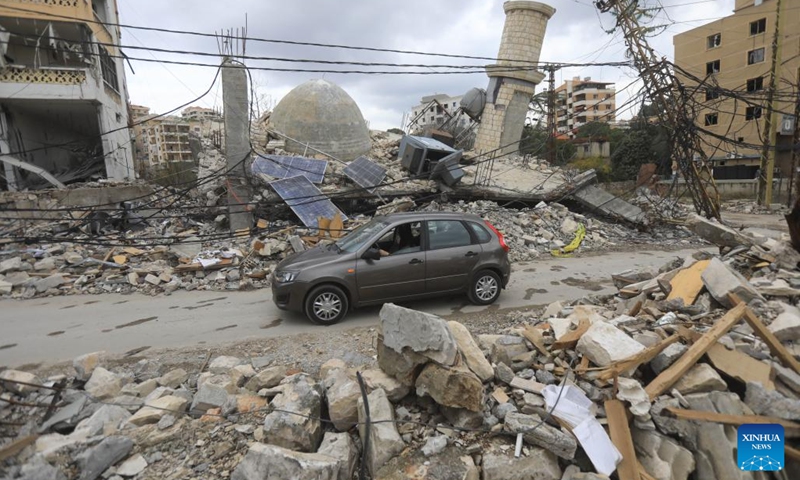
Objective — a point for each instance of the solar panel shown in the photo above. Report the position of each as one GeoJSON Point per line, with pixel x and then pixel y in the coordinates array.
{"type": "Point", "coordinates": [365, 173]}
{"type": "Point", "coordinates": [305, 200]}
{"type": "Point", "coordinates": [281, 166]}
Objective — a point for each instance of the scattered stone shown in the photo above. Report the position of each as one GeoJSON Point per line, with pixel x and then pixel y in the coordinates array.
{"type": "Point", "coordinates": [715, 232]}
{"type": "Point", "coordinates": [173, 378]}
{"type": "Point", "coordinates": [700, 378]}
{"type": "Point", "coordinates": [662, 457]}
{"type": "Point", "coordinates": [39, 469]}
{"type": "Point", "coordinates": [11, 264]}
{"type": "Point", "coordinates": [605, 344]}
{"type": "Point", "coordinates": [12, 376]}
{"type": "Point", "coordinates": [418, 332]}
{"type": "Point", "coordinates": [84, 365]}
{"type": "Point", "coordinates": [384, 439]}
{"type": "Point", "coordinates": [667, 357]}
{"type": "Point", "coordinates": [341, 447]}
{"type": "Point", "coordinates": [500, 411]}
{"type": "Point", "coordinates": [786, 326]}
{"type": "Point", "coordinates": [132, 466]}
{"type": "Point", "coordinates": [342, 394]}
{"type": "Point", "coordinates": [267, 378]}
{"type": "Point", "coordinates": [301, 394]}
{"type": "Point", "coordinates": [153, 411]}
{"type": "Point", "coordinates": [375, 378]}
{"type": "Point", "coordinates": [473, 356]}
{"type": "Point", "coordinates": [103, 384]}
{"type": "Point", "coordinates": [208, 396]}
{"type": "Point", "coordinates": [53, 281]}
{"type": "Point", "coordinates": [223, 365]}
{"type": "Point", "coordinates": [455, 387]}
{"type": "Point", "coordinates": [105, 421]}
{"type": "Point", "coordinates": [771, 403]}
{"type": "Point", "coordinates": [269, 461]}
{"type": "Point", "coordinates": [96, 460]}
{"type": "Point", "coordinates": [536, 432]}
{"type": "Point", "coordinates": [435, 445]}
{"type": "Point", "coordinates": [504, 373]}
{"type": "Point", "coordinates": [166, 422]}
{"type": "Point", "coordinates": [404, 367]}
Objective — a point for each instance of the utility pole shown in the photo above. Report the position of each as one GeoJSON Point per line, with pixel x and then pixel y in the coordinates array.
{"type": "Point", "coordinates": [551, 116]}
{"type": "Point", "coordinates": [770, 134]}
{"type": "Point", "coordinates": [237, 143]}
{"type": "Point", "coordinates": [794, 178]}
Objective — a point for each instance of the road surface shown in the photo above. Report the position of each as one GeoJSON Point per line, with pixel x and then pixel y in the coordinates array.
{"type": "Point", "coordinates": [60, 328]}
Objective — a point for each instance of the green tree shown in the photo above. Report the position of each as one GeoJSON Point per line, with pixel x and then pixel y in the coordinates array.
{"type": "Point", "coordinates": [594, 130]}
{"type": "Point", "coordinates": [534, 142]}
{"type": "Point", "coordinates": [634, 151]}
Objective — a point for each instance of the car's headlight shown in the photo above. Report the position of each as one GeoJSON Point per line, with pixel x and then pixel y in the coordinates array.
{"type": "Point", "coordinates": [285, 276]}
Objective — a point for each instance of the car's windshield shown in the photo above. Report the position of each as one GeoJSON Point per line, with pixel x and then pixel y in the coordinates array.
{"type": "Point", "coordinates": [356, 239]}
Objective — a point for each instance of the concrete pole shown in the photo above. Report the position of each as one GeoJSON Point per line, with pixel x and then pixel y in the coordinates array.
{"type": "Point", "coordinates": [771, 121]}
{"type": "Point", "coordinates": [237, 143]}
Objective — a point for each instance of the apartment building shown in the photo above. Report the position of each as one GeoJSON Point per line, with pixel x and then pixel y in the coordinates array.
{"type": "Point", "coordinates": [160, 140]}
{"type": "Point", "coordinates": [435, 110]}
{"type": "Point", "coordinates": [200, 114]}
{"type": "Point", "coordinates": [735, 54]}
{"type": "Point", "coordinates": [63, 97]}
{"type": "Point", "coordinates": [580, 101]}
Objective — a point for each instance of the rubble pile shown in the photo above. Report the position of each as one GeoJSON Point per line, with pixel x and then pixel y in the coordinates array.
{"type": "Point", "coordinates": [532, 232]}
{"type": "Point", "coordinates": [750, 206]}
{"type": "Point", "coordinates": [654, 379]}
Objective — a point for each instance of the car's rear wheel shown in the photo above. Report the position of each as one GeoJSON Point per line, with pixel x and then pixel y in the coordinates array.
{"type": "Point", "coordinates": [326, 305]}
{"type": "Point", "coordinates": [485, 288]}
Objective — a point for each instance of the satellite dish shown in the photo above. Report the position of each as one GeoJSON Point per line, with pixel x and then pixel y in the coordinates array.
{"type": "Point", "coordinates": [473, 103]}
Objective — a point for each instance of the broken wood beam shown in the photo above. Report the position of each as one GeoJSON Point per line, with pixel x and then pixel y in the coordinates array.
{"type": "Point", "coordinates": [534, 335]}
{"type": "Point", "coordinates": [727, 419]}
{"type": "Point", "coordinates": [620, 433]}
{"type": "Point", "coordinates": [792, 453]}
{"type": "Point", "coordinates": [570, 339]}
{"type": "Point", "coordinates": [634, 361]}
{"type": "Point", "coordinates": [668, 377]}
{"type": "Point", "coordinates": [12, 449]}
{"type": "Point", "coordinates": [775, 345]}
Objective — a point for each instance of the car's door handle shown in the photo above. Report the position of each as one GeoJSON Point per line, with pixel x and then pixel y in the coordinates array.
{"type": "Point", "coordinates": [471, 254]}
{"type": "Point", "coordinates": [415, 261]}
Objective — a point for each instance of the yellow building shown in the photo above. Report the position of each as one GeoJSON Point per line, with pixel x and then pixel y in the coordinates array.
{"type": "Point", "coordinates": [735, 53]}
{"type": "Point", "coordinates": [62, 83]}
{"type": "Point", "coordinates": [579, 102]}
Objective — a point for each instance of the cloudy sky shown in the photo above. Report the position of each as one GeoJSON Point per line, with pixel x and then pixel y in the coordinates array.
{"type": "Point", "coordinates": [577, 33]}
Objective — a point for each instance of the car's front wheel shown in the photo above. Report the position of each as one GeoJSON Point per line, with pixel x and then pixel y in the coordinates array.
{"type": "Point", "coordinates": [485, 288]}
{"type": "Point", "coordinates": [326, 305]}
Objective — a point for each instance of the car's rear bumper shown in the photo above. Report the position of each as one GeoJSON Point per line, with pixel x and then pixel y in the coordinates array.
{"type": "Point", "coordinates": [506, 278]}
{"type": "Point", "coordinates": [289, 296]}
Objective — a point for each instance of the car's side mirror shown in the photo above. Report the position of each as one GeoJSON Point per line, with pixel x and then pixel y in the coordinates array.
{"type": "Point", "coordinates": [372, 253]}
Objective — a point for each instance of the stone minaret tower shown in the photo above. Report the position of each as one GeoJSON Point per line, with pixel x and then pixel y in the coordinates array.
{"type": "Point", "coordinates": [510, 91]}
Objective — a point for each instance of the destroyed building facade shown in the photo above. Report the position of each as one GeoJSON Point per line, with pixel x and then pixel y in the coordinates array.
{"type": "Point", "coordinates": [513, 82]}
{"type": "Point", "coordinates": [63, 96]}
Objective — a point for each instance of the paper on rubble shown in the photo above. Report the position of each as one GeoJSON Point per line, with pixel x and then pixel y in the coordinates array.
{"type": "Point", "coordinates": [575, 408]}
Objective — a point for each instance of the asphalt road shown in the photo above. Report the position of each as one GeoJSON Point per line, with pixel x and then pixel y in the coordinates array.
{"type": "Point", "coordinates": [60, 328]}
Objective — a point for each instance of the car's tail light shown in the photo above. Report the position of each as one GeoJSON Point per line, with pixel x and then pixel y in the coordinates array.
{"type": "Point", "coordinates": [499, 235]}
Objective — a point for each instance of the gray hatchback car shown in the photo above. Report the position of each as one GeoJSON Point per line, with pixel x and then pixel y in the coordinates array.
{"type": "Point", "coordinates": [395, 258]}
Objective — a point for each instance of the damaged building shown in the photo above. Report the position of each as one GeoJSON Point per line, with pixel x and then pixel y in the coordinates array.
{"type": "Point", "coordinates": [63, 97]}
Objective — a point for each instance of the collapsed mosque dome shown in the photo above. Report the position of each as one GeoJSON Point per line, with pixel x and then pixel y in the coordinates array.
{"type": "Point", "coordinates": [322, 115]}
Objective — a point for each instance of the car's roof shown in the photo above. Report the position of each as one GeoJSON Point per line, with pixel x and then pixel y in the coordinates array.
{"type": "Point", "coordinates": [393, 217]}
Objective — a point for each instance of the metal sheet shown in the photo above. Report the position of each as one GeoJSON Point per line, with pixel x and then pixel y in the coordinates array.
{"type": "Point", "coordinates": [365, 173]}
{"type": "Point", "coordinates": [281, 166]}
{"type": "Point", "coordinates": [305, 200]}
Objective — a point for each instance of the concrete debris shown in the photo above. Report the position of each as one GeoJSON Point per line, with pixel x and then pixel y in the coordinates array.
{"type": "Point", "coordinates": [473, 356]}
{"type": "Point", "coordinates": [342, 393]}
{"type": "Point", "coordinates": [771, 403]}
{"type": "Point", "coordinates": [435, 445]}
{"type": "Point", "coordinates": [662, 457]}
{"type": "Point", "coordinates": [700, 378]}
{"type": "Point", "coordinates": [536, 432]}
{"type": "Point", "coordinates": [85, 364]}
{"type": "Point", "coordinates": [539, 464]}
{"type": "Point", "coordinates": [376, 378]}
{"type": "Point", "coordinates": [270, 461]}
{"type": "Point", "coordinates": [341, 447]}
{"type": "Point", "coordinates": [786, 326]}
{"type": "Point", "coordinates": [300, 394]}
{"type": "Point", "coordinates": [96, 460]}
{"type": "Point", "coordinates": [455, 387]}
{"type": "Point", "coordinates": [13, 376]}
{"type": "Point", "coordinates": [103, 384]}
{"type": "Point", "coordinates": [384, 439]}
{"type": "Point", "coordinates": [605, 344]}
{"type": "Point", "coordinates": [154, 411]}
{"type": "Point", "coordinates": [715, 232]}
{"type": "Point", "coordinates": [132, 466]}
{"type": "Point", "coordinates": [419, 332]}
{"type": "Point", "coordinates": [721, 281]}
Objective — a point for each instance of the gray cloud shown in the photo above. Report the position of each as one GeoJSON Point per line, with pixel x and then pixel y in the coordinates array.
{"type": "Point", "coordinates": [470, 27]}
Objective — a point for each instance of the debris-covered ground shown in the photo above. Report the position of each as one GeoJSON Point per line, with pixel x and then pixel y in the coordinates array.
{"type": "Point", "coordinates": [649, 383]}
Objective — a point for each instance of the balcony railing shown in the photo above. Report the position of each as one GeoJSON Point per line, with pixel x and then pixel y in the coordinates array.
{"type": "Point", "coordinates": [44, 75]}
{"type": "Point", "coordinates": [54, 3]}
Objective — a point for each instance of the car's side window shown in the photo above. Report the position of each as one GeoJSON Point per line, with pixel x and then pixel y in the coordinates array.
{"type": "Point", "coordinates": [447, 234]}
{"type": "Point", "coordinates": [480, 232]}
{"type": "Point", "coordinates": [405, 238]}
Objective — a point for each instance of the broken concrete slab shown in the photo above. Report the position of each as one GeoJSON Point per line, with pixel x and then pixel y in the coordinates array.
{"type": "Point", "coordinates": [473, 356]}
{"type": "Point", "coordinates": [384, 439]}
{"type": "Point", "coordinates": [264, 461]}
{"type": "Point", "coordinates": [662, 457]}
{"type": "Point", "coordinates": [771, 403]}
{"type": "Point", "coordinates": [716, 443]}
{"type": "Point", "coordinates": [422, 333]}
{"type": "Point", "coordinates": [721, 281]}
{"type": "Point", "coordinates": [539, 465]}
{"type": "Point", "coordinates": [300, 394]}
{"type": "Point", "coordinates": [700, 378]}
{"type": "Point", "coordinates": [540, 434]}
{"type": "Point", "coordinates": [786, 325]}
{"type": "Point", "coordinates": [208, 396]}
{"type": "Point", "coordinates": [96, 460]}
{"type": "Point", "coordinates": [597, 199]}
{"type": "Point", "coordinates": [107, 420]}
{"type": "Point", "coordinates": [455, 387]}
{"type": "Point", "coordinates": [715, 232]}
{"type": "Point", "coordinates": [605, 344]}
{"type": "Point", "coordinates": [667, 357]}
{"type": "Point", "coordinates": [53, 281]}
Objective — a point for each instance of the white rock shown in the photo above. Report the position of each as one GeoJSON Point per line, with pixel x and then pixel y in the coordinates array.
{"type": "Point", "coordinates": [420, 332]}
{"type": "Point", "coordinates": [434, 445]}
{"type": "Point", "coordinates": [132, 466]}
{"type": "Point", "coordinates": [700, 378]}
{"type": "Point", "coordinates": [605, 344]}
{"type": "Point", "coordinates": [103, 384]}
{"type": "Point", "coordinates": [720, 280]}
{"type": "Point", "coordinates": [223, 364]}
{"type": "Point", "coordinates": [787, 325]}
{"type": "Point", "coordinates": [85, 364]}
{"type": "Point", "coordinates": [19, 376]}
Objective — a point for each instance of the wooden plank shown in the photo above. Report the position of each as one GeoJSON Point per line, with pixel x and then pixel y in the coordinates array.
{"type": "Point", "coordinates": [668, 377]}
{"type": "Point", "coordinates": [570, 339]}
{"type": "Point", "coordinates": [336, 226]}
{"type": "Point", "coordinates": [792, 453]}
{"type": "Point", "coordinates": [534, 335]}
{"type": "Point", "coordinates": [687, 283]}
{"type": "Point", "coordinates": [634, 361]}
{"type": "Point", "coordinates": [17, 446]}
{"type": "Point", "coordinates": [620, 433]}
{"type": "Point", "coordinates": [727, 419]}
{"type": "Point", "coordinates": [734, 363]}
{"type": "Point", "coordinates": [775, 345]}
{"type": "Point", "coordinates": [109, 253]}
{"type": "Point", "coordinates": [636, 308]}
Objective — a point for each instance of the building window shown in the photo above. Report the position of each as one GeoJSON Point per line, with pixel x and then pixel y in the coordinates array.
{"type": "Point", "coordinates": [711, 119]}
{"type": "Point", "coordinates": [714, 40]}
{"type": "Point", "coordinates": [711, 94]}
{"type": "Point", "coordinates": [712, 67]}
{"type": "Point", "coordinates": [755, 84]}
{"type": "Point", "coordinates": [759, 26]}
{"type": "Point", "coordinates": [108, 69]}
{"type": "Point", "coordinates": [755, 56]}
{"type": "Point", "coordinates": [752, 113]}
